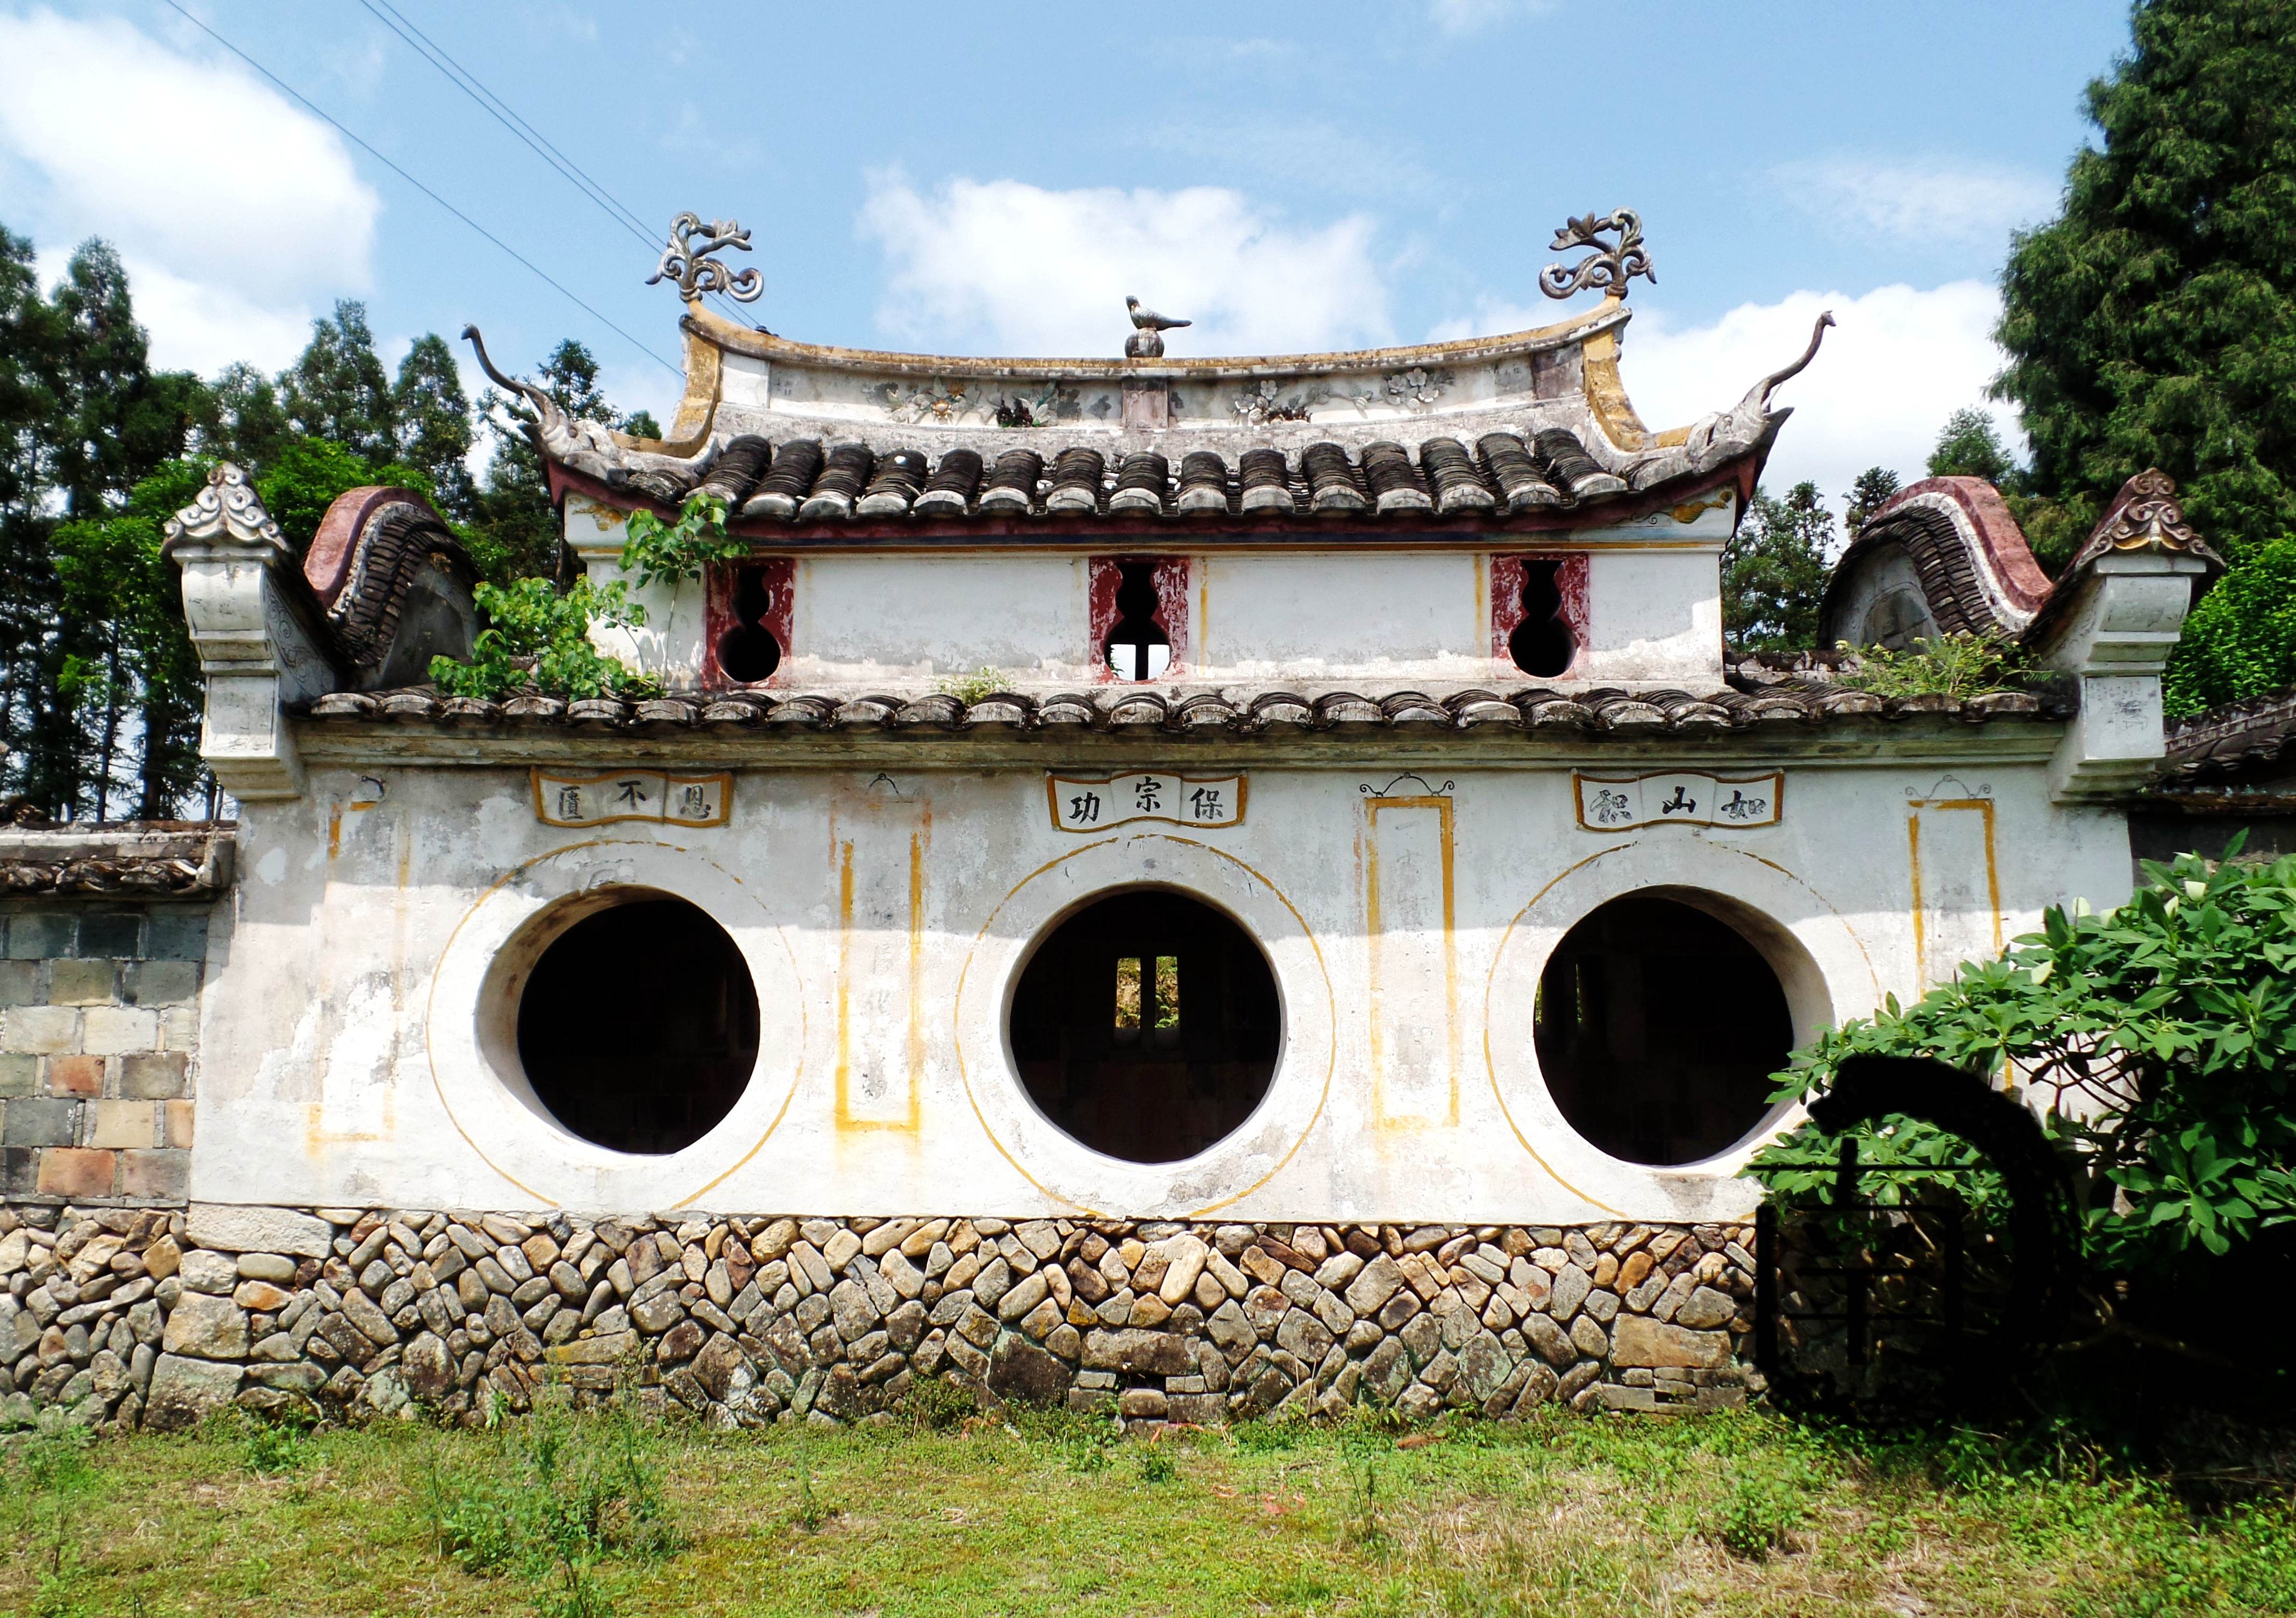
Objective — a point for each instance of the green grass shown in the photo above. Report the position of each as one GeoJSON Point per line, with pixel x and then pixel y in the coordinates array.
{"type": "Point", "coordinates": [583, 1517]}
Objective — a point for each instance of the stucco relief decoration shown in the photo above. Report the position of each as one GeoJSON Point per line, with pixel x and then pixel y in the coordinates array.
{"type": "Point", "coordinates": [2146, 516]}
{"type": "Point", "coordinates": [938, 401]}
{"type": "Point", "coordinates": [226, 512]}
{"type": "Point", "coordinates": [1621, 803]}
{"type": "Point", "coordinates": [687, 260]}
{"type": "Point", "coordinates": [1418, 389]}
{"type": "Point", "coordinates": [1619, 255]}
{"type": "Point", "coordinates": [1266, 401]}
{"type": "Point", "coordinates": [1093, 804]}
{"type": "Point", "coordinates": [1054, 404]}
{"type": "Point", "coordinates": [662, 797]}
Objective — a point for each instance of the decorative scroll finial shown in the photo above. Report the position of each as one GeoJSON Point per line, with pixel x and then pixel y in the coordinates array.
{"type": "Point", "coordinates": [227, 512]}
{"type": "Point", "coordinates": [1610, 266]}
{"type": "Point", "coordinates": [2146, 515]}
{"type": "Point", "coordinates": [1148, 329]}
{"type": "Point", "coordinates": [686, 260]}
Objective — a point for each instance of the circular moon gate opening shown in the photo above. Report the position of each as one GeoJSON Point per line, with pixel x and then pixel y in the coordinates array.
{"type": "Point", "coordinates": [638, 1027]}
{"type": "Point", "coordinates": [1146, 1025]}
{"type": "Point", "coordinates": [1658, 1029]}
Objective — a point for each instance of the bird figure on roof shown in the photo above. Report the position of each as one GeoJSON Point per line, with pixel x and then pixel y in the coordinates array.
{"type": "Point", "coordinates": [1149, 320]}
{"type": "Point", "coordinates": [1148, 329]}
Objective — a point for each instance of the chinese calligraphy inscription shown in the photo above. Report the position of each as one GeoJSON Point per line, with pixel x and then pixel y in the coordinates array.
{"type": "Point", "coordinates": [1095, 803]}
{"type": "Point", "coordinates": [1619, 803]}
{"type": "Point", "coordinates": [665, 797]}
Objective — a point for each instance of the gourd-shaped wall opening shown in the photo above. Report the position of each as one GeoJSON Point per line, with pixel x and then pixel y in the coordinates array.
{"type": "Point", "coordinates": [1146, 1025]}
{"type": "Point", "coordinates": [1658, 1028]}
{"type": "Point", "coordinates": [1139, 648]}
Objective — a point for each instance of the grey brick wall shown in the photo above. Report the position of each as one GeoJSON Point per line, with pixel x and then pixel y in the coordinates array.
{"type": "Point", "coordinates": [99, 1039]}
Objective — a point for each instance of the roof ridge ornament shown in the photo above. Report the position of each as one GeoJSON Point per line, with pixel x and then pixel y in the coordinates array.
{"type": "Point", "coordinates": [1148, 329]}
{"type": "Point", "coordinates": [2146, 516]}
{"type": "Point", "coordinates": [1610, 266]}
{"type": "Point", "coordinates": [686, 260]}
{"type": "Point", "coordinates": [226, 512]}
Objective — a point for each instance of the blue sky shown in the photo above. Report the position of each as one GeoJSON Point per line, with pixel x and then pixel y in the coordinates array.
{"type": "Point", "coordinates": [994, 178]}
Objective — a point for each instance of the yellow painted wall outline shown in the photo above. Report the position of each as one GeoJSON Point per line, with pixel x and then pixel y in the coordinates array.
{"type": "Point", "coordinates": [1396, 1046]}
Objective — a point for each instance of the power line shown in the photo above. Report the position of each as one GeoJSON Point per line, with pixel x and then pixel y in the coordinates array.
{"type": "Point", "coordinates": [346, 133]}
{"type": "Point", "coordinates": [510, 119]}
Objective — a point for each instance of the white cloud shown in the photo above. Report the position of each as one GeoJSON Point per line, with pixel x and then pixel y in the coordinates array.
{"type": "Point", "coordinates": [1025, 270]}
{"type": "Point", "coordinates": [1898, 361]}
{"type": "Point", "coordinates": [236, 212]}
{"type": "Point", "coordinates": [200, 327]}
{"type": "Point", "coordinates": [1918, 202]}
{"type": "Point", "coordinates": [1458, 17]}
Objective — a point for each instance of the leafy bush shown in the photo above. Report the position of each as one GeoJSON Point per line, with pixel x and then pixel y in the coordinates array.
{"type": "Point", "coordinates": [2162, 1036]}
{"type": "Point", "coordinates": [2241, 640]}
{"type": "Point", "coordinates": [307, 475]}
{"type": "Point", "coordinates": [1959, 665]}
{"type": "Point", "coordinates": [538, 639]}
{"type": "Point", "coordinates": [680, 550]}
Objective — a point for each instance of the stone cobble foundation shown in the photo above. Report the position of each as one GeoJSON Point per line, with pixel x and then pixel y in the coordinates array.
{"type": "Point", "coordinates": [154, 1318]}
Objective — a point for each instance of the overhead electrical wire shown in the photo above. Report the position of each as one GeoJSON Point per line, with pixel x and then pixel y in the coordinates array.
{"type": "Point", "coordinates": [369, 150]}
{"type": "Point", "coordinates": [509, 117]}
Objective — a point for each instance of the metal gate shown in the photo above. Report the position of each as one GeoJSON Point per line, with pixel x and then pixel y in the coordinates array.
{"type": "Point", "coordinates": [1859, 1299]}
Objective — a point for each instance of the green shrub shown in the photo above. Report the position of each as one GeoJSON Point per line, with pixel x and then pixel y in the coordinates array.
{"type": "Point", "coordinates": [538, 639]}
{"type": "Point", "coordinates": [2241, 640]}
{"type": "Point", "coordinates": [1960, 665]}
{"type": "Point", "coordinates": [2162, 1036]}
{"type": "Point", "coordinates": [680, 550]}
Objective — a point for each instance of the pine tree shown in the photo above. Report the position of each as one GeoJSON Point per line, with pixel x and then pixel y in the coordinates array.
{"type": "Point", "coordinates": [1969, 446]}
{"type": "Point", "coordinates": [1874, 489]}
{"type": "Point", "coordinates": [337, 389]}
{"type": "Point", "coordinates": [31, 401]}
{"type": "Point", "coordinates": [117, 422]}
{"type": "Point", "coordinates": [432, 417]}
{"type": "Point", "coordinates": [2153, 323]}
{"type": "Point", "coordinates": [1774, 572]}
{"type": "Point", "coordinates": [249, 428]}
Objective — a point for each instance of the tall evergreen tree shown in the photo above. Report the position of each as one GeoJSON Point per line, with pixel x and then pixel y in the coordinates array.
{"type": "Point", "coordinates": [31, 402]}
{"type": "Point", "coordinates": [337, 389]}
{"type": "Point", "coordinates": [1774, 572]}
{"type": "Point", "coordinates": [1969, 445]}
{"type": "Point", "coordinates": [2153, 323]}
{"type": "Point", "coordinates": [115, 420]}
{"type": "Point", "coordinates": [431, 418]}
{"type": "Point", "coordinates": [248, 427]}
{"type": "Point", "coordinates": [1874, 488]}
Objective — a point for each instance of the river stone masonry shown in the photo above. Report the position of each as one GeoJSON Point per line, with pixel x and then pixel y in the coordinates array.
{"type": "Point", "coordinates": [154, 1318]}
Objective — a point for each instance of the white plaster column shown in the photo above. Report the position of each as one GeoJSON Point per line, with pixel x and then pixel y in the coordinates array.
{"type": "Point", "coordinates": [256, 633]}
{"type": "Point", "coordinates": [2115, 639]}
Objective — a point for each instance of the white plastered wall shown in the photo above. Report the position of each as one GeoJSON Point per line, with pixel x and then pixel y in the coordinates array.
{"type": "Point", "coordinates": [344, 1062]}
{"type": "Point", "coordinates": [1366, 614]}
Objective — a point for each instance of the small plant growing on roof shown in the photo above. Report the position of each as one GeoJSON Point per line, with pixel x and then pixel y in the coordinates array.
{"type": "Point", "coordinates": [656, 550]}
{"type": "Point", "coordinates": [1960, 665]}
{"type": "Point", "coordinates": [537, 639]}
{"type": "Point", "coordinates": [978, 686]}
